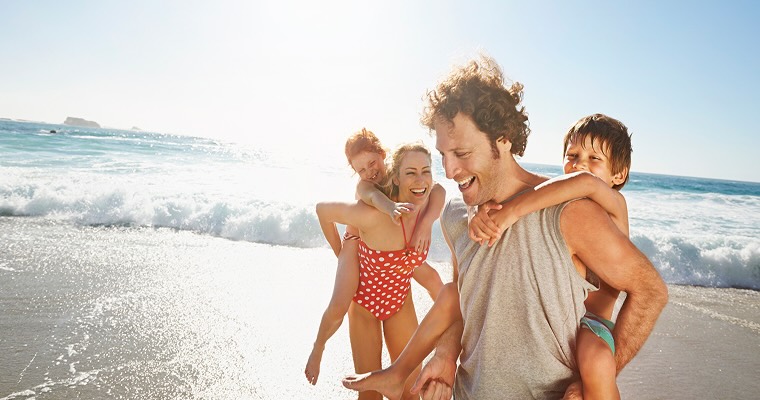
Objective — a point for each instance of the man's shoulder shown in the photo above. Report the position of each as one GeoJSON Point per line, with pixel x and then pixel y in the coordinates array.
{"type": "Point", "coordinates": [454, 217]}
{"type": "Point", "coordinates": [454, 207]}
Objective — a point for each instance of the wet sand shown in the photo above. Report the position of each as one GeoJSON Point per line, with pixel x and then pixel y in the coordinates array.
{"type": "Point", "coordinates": [123, 313]}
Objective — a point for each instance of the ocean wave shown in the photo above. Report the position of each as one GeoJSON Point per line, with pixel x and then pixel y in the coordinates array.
{"type": "Point", "coordinates": [704, 261]}
{"type": "Point", "coordinates": [249, 220]}
{"type": "Point", "coordinates": [718, 252]}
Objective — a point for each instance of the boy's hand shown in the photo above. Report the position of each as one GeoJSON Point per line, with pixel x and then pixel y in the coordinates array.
{"type": "Point", "coordinates": [400, 209]}
{"type": "Point", "coordinates": [482, 227]}
{"type": "Point", "coordinates": [421, 238]}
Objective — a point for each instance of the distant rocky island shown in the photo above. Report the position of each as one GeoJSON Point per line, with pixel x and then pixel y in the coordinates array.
{"type": "Point", "coordinates": [81, 122]}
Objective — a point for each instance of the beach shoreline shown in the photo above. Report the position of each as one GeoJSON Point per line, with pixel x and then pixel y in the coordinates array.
{"type": "Point", "coordinates": [120, 312]}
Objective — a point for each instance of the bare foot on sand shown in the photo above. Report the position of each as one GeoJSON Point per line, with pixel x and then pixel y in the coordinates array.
{"type": "Point", "coordinates": [383, 381]}
{"type": "Point", "coordinates": [312, 366]}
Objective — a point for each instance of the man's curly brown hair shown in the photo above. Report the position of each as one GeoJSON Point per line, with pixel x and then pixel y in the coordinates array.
{"type": "Point", "coordinates": [477, 89]}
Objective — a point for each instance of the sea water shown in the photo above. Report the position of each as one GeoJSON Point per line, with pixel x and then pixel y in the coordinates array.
{"type": "Point", "coordinates": [153, 266]}
{"type": "Point", "coordinates": [696, 231]}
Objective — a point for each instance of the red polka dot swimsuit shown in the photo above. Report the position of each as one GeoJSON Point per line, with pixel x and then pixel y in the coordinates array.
{"type": "Point", "coordinates": [385, 277]}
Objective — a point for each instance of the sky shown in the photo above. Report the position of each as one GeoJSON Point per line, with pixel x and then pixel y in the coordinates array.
{"type": "Point", "coordinates": [301, 76]}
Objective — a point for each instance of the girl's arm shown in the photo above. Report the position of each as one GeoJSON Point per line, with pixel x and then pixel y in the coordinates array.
{"type": "Point", "coordinates": [547, 194]}
{"type": "Point", "coordinates": [330, 213]}
{"type": "Point", "coordinates": [372, 196]}
{"type": "Point", "coordinates": [421, 238]}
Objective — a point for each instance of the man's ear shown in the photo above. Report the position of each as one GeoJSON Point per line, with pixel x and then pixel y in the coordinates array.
{"type": "Point", "coordinates": [504, 144]}
{"type": "Point", "coordinates": [619, 178]}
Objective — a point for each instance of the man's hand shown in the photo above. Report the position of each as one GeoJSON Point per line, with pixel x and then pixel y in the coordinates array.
{"type": "Point", "coordinates": [437, 390]}
{"type": "Point", "coordinates": [440, 370]}
{"type": "Point", "coordinates": [574, 391]}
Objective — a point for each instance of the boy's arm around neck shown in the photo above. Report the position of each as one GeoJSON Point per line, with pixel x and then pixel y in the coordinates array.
{"type": "Point", "coordinates": [568, 187]}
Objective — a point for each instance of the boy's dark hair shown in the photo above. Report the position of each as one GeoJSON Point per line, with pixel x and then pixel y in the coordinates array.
{"type": "Point", "coordinates": [478, 90]}
{"type": "Point", "coordinates": [613, 138]}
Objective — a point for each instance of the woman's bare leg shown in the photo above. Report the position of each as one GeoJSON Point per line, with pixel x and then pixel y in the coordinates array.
{"type": "Point", "coordinates": [346, 282]}
{"type": "Point", "coordinates": [398, 330]}
{"type": "Point", "coordinates": [389, 381]}
{"type": "Point", "coordinates": [366, 344]}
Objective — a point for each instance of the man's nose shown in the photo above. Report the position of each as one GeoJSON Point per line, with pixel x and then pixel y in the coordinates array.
{"type": "Point", "coordinates": [449, 165]}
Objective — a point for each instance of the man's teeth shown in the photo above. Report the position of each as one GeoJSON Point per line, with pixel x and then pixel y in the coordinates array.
{"type": "Point", "coordinates": [466, 182]}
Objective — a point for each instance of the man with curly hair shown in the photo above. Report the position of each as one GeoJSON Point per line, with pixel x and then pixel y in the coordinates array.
{"type": "Point", "coordinates": [521, 299]}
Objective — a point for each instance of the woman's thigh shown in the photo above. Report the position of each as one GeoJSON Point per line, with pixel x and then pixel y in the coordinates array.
{"type": "Point", "coordinates": [366, 339]}
{"type": "Point", "coordinates": [399, 328]}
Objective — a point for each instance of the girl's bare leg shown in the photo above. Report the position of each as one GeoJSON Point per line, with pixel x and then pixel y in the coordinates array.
{"type": "Point", "coordinates": [428, 278]}
{"type": "Point", "coordinates": [597, 366]}
{"type": "Point", "coordinates": [366, 344]}
{"type": "Point", "coordinates": [389, 381]}
{"type": "Point", "coordinates": [346, 282]}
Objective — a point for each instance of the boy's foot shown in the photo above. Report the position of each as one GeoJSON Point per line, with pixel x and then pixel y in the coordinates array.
{"type": "Point", "coordinates": [381, 381]}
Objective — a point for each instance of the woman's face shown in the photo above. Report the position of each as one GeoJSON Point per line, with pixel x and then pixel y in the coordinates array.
{"type": "Point", "coordinates": [415, 178]}
{"type": "Point", "coordinates": [370, 166]}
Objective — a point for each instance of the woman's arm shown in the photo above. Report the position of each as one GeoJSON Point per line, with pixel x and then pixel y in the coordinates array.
{"type": "Point", "coordinates": [421, 238]}
{"type": "Point", "coordinates": [372, 196]}
{"type": "Point", "coordinates": [330, 213]}
{"type": "Point", "coordinates": [547, 194]}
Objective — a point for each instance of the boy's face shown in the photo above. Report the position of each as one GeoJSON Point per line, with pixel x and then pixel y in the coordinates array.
{"type": "Point", "coordinates": [585, 157]}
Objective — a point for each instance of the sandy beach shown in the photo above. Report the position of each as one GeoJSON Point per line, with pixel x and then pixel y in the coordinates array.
{"type": "Point", "coordinates": [157, 313]}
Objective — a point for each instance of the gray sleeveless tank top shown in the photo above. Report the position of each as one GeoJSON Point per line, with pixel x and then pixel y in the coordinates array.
{"type": "Point", "coordinates": [522, 301]}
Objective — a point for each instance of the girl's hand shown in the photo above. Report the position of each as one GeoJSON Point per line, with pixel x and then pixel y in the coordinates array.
{"type": "Point", "coordinates": [400, 209]}
{"type": "Point", "coordinates": [421, 238]}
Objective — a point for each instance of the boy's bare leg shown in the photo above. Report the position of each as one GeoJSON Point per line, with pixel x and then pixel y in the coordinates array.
{"type": "Point", "coordinates": [391, 380]}
{"type": "Point", "coordinates": [597, 366]}
{"type": "Point", "coordinates": [346, 282]}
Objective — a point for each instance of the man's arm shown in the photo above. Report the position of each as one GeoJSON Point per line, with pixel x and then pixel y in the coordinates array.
{"type": "Point", "coordinates": [593, 237]}
{"type": "Point", "coordinates": [443, 365]}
